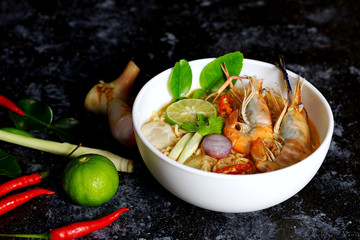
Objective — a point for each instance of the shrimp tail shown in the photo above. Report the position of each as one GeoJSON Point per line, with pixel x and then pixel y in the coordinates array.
{"type": "Point", "coordinates": [233, 117]}
{"type": "Point", "coordinates": [239, 140]}
{"type": "Point", "coordinates": [281, 66]}
{"type": "Point", "coordinates": [297, 97]}
{"type": "Point", "coordinates": [262, 156]}
{"type": "Point", "coordinates": [257, 150]}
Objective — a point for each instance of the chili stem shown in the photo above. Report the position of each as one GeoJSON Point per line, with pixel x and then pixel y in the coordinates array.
{"type": "Point", "coordinates": [63, 149]}
{"type": "Point", "coordinates": [74, 230]}
{"type": "Point", "coordinates": [45, 236]}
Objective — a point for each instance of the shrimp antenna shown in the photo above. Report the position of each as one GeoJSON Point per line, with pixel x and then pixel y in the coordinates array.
{"type": "Point", "coordinates": [281, 66]}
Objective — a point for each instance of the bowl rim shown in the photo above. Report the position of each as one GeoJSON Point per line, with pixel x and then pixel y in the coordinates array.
{"type": "Point", "coordinates": [167, 160]}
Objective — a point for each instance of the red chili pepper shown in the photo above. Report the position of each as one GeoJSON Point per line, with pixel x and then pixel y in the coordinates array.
{"type": "Point", "coordinates": [75, 230]}
{"type": "Point", "coordinates": [5, 102]}
{"type": "Point", "coordinates": [236, 169]}
{"type": "Point", "coordinates": [12, 201]}
{"type": "Point", "coordinates": [80, 229]}
{"type": "Point", "coordinates": [22, 182]}
{"type": "Point", "coordinates": [225, 104]}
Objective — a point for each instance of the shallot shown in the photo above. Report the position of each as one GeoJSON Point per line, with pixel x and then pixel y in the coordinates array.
{"type": "Point", "coordinates": [113, 99]}
{"type": "Point", "coordinates": [216, 145]}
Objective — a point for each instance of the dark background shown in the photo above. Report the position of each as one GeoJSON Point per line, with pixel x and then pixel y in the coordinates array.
{"type": "Point", "coordinates": [55, 51]}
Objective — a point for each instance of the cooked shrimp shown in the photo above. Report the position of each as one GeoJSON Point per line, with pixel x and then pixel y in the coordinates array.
{"type": "Point", "coordinates": [293, 129]}
{"type": "Point", "coordinates": [256, 116]}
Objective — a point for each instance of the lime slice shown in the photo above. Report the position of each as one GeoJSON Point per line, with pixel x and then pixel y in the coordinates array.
{"type": "Point", "coordinates": [186, 110]}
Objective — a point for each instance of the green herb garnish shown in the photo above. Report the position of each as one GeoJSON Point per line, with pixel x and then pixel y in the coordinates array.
{"type": "Point", "coordinates": [204, 126]}
{"type": "Point", "coordinates": [212, 76]}
{"type": "Point", "coordinates": [180, 79]}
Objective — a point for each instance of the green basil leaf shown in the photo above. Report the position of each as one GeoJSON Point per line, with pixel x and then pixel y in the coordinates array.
{"type": "Point", "coordinates": [9, 166]}
{"type": "Point", "coordinates": [67, 129]}
{"type": "Point", "coordinates": [37, 117]}
{"type": "Point", "coordinates": [212, 76]}
{"type": "Point", "coordinates": [180, 79]}
{"type": "Point", "coordinates": [198, 93]}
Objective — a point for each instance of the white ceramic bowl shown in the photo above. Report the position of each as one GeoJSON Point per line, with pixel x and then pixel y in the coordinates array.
{"type": "Point", "coordinates": [231, 193]}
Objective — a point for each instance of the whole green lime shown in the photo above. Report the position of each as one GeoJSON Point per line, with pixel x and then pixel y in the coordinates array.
{"type": "Point", "coordinates": [90, 180]}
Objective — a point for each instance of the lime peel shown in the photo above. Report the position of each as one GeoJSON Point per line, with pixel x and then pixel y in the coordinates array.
{"type": "Point", "coordinates": [186, 110]}
{"type": "Point", "coordinates": [90, 180]}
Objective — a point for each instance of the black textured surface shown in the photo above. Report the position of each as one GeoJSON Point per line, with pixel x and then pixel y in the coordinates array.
{"type": "Point", "coordinates": [55, 51]}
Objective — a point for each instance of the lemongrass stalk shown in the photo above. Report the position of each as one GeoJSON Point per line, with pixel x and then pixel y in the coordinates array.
{"type": "Point", "coordinates": [64, 149]}
{"type": "Point", "coordinates": [190, 147]}
{"type": "Point", "coordinates": [179, 146]}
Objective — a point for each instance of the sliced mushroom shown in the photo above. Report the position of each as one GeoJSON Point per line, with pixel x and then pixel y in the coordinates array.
{"type": "Point", "coordinates": [203, 162]}
{"type": "Point", "coordinates": [159, 134]}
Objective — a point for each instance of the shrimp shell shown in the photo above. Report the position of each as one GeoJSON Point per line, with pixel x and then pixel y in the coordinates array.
{"type": "Point", "coordinates": [257, 120]}
{"type": "Point", "coordinates": [295, 131]}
